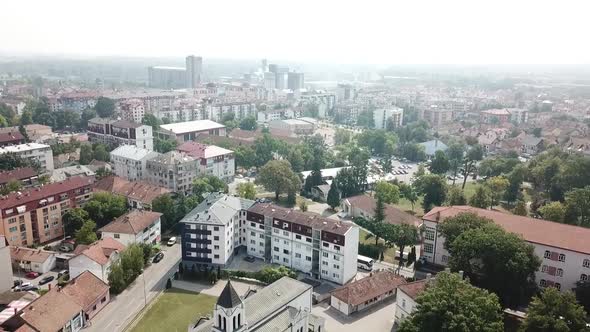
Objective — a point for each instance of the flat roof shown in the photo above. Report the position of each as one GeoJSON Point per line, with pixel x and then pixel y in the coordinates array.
{"type": "Point", "coordinates": [192, 126]}
{"type": "Point", "coordinates": [22, 147]}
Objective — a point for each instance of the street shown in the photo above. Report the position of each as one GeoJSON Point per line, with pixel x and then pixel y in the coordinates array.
{"type": "Point", "coordinates": [124, 307]}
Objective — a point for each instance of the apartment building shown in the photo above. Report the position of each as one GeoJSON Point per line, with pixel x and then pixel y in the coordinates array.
{"type": "Point", "coordinates": [134, 227]}
{"type": "Point", "coordinates": [34, 216]}
{"type": "Point", "coordinates": [212, 160]}
{"type": "Point", "coordinates": [278, 114]}
{"type": "Point", "coordinates": [132, 110]}
{"type": "Point", "coordinates": [240, 110]}
{"type": "Point", "coordinates": [293, 126]}
{"type": "Point", "coordinates": [129, 161]}
{"type": "Point", "coordinates": [437, 116]}
{"type": "Point", "coordinates": [172, 170]}
{"type": "Point", "coordinates": [563, 248]}
{"type": "Point", "coordinates": [307, 242]}
{"type": "Point", "coordinates": [382, 116]}
{"type": "Point", "coordinates": [325, 102]}
{"type": "Point", "coordinates": [35, 152]}
{"type": "Point", "coordinates": [188, 131]}
{"type": "Point", "coordinates": [120, 132]}
{"type": "Point", "coordinates": [214, 230]}
{"type": "Point", "coordinates": [164, 77]}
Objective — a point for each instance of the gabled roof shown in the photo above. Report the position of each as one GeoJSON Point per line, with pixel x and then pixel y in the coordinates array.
{"type": "Point", "coordinates": [217, 208]}
{"type": "Point", "coordinates": [101, 250]}
{"type": "Point", "coordinates": [17, 174]}
{"type": "Point", "coordinates": [367, 288]}
{"type": "Point", "coordinates": [136, 190]}
{"type": "Point", "coordinates": [132, 222]}
{"type": "Point", "coordinates": [51, 311]}
{"type": "Point", "coordinates": [229, 298]}
{"type": "Point", "coordinates": [393, 215]}
{"type": "Point", "coordinates": [35, 194]}
{"type": "Point", "coordinates": [85, 289]}
{"type": "Point", "coordinates": [413, 289]}
{"type": "Point", "coordinates": [30, 255]}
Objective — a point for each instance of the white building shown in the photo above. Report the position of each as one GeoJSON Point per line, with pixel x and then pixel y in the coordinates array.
{"type": "Point", "coordinates": [120, 132]}
{"type": "Point", "coordinates": [134, 227]}
{"type": "Point", "coordinates": [241, 110]}
{"type": "Point", "coordinates": [278, 114]}
{"type": "Point", "coordinates": [188, 131]}
{"type": "Point", "coordinates": [212, 160]}
{"type": "Point", "coordinates": [405, 302]}
{"type": "Point", "coordinates": [214, 230]}
{"type": "Point", "coordinates": [382, 116]}
{"type": "Point", "coordinates": [96, 258]}
{"type": "Point", "coordinates": [6, 271]}
{"type": "Point", "coordinates": [172, 170]}
{"type": "Point", "coordinates": [28, 259]}
{"type": "Point", "coordinates": [132, 110]}
{"type": "Point", "coordinates": [129, 161]}
{"type": "Point", "coordinates": [294, 126]}
{"type": "Point", "coordinates": [40, 153]}
{"type": "Point", "coordinates": [324, 248]}
{"type": "Point", "coordinates": [284, 305]}
{"type": "Point", "coordinates": [564, 249]}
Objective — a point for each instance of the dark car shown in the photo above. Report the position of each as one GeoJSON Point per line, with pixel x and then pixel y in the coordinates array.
{"type": "Point", "coordinates": [29, 288]}
{"type": "Point", "coordinates": [249, 258]}
{"type": "Point", "coordinates": [46, 280]}
{"type": "Point", "coordinates": [158, 257]}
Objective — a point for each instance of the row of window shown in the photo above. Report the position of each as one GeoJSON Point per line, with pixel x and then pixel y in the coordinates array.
{"type": "Point", "coordinates": [553, 255]}
{"type": "Point", "coordinates": [545, 283]}
{"type": "Point", "coordinates": [334, 275]}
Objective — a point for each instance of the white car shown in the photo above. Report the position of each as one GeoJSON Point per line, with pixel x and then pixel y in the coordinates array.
{"type": "Point", "coordinates": [172, 241]}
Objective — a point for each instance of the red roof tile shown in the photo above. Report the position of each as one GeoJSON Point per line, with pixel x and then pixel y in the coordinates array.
{"type": "Point", "coordinates": [413, 289]}
{"type": "Point", "coordinates": [86, 289]}
{"type": "Point", "coordinates": [17, 174]}
{"type": "Point", "coordinates": [393, 215]}
{"type": "Point", "coordinates": [101, 250]}
{"type": "Point", "coordinates": [370, 287]}
{"type": "Point", "coordinates": [132, 222]}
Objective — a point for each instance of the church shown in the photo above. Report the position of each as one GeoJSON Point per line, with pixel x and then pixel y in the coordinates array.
{"type": "Point", "coordinates": [284, 305]}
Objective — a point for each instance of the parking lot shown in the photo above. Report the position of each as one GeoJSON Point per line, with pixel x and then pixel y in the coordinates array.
{"type": "Point", "coordinates": [21, 275]}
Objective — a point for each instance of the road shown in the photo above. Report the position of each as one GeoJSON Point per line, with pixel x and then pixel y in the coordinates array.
{"type": "Point", "coordinates": [124, 307]}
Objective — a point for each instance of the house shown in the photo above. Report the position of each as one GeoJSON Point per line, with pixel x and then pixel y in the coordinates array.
{"type": "Point", "coordinates": [284, 305]}
{"type": "Point", "coordinates": [96, 258]}
{"type": "Point", "coordinates": [36, 260]}
{"type": "Point", "coordinates": [5, 262]}
{"type": "Point", "coordinates": [366, 292]}
{"type": "Point", "coordinates": [134, 227]}
{"type": "Point", "coordinates": [60, 174]}
{"type": "Point", "coordinates": [33, 152]}
{"type": "Point", "coordinates": [27, 176]}
{"type": "Point", "coordinates": [320, 192]}
{"type": "Point", "coordinates": [364, 206]}
{"type": "Point", "coordinates": [406, 295]}
{"type": "Point", "coordinates": [139, 194]}
{"type": "Point", "coordinates": [430, 147]}
{"type": "Point", "coordinates": [88, 291]}
{"type": "Point", "coordinates": [565, 258]}
{"type": "Point", "coordinates": [11, 138]}
{"type": "Point", "coordinates": [532, 145]}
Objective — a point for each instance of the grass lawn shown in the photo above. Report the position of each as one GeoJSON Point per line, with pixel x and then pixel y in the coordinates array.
{"type": "Point", "coordinates": [406, 206]}
{"type": "Point", "coordinates": [389, 253]}
{"type": "Point", "coordinates": [283, 200]}
{"type": "Point", "coordinates": [174, 310]}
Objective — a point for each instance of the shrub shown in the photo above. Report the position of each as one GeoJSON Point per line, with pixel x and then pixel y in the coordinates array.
{"type": "Point", "coordinates": [369, 250]}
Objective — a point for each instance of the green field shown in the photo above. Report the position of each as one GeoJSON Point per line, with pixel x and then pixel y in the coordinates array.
{"type": "Point", "coordinates": [174, 310]}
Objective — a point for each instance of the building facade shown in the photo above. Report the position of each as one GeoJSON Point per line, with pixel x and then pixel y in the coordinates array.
{"type": "Point", "coordinates": [383, 116]}
{"type": "Point", "coordinates": [194, 70]}
{"type": "Point", "coordinates": [129, 161]}
{"type": "Point", "coordinates": [163, 77]}
{"type": "Point", "coordinates": [190, 130]}
{"type": "Point", "coordinates": [120, 132]}
{"type": "Point", "coordinates": [134, 227]}
{"type": "Point", "coordinates": [6, 271]}
{"type": "Point", "coordinates": [132, 110]}
{"type": "Point", "coordinates": [172, 170]}
{"type": "Point", "coordinates": [212, 160]}
{"type": "Point", "coordinates": [36, 260]}
{"type": "Point", "coordinates": [437, 116]}
{"type": "Point", "coordinates": [34, 152]}
{"type": "Point", "coordinates": [96, 258]}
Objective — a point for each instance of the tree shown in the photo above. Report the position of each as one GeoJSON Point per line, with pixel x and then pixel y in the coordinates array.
{"type": "Point", "coordinates": [412, 151]}
{"type": "Point", "coordinates": [456, 196]}
{"type": "Point", "coordinates": [455, 154]}
{"type": "Point", "coordinates": [554, 311]}
{"type": "Point", "coordinates": [105, 107]}
{"type": "Point", "coordinates": [389, 193]}
{"type": "Point", "coordinates": [515, 179]}
{"type": "Point", "coordinates": [246, 190]}
{"type": "Point", "coordinates": [497, 186]}
{"type": "Point", "coordinates": [151, 120]}
{"type": "Point", "coordinates": [333, 198]}
{"type": "Point", "coordinates": [554, 211]}
{"type": "Point", "coordinates": [86, 154]}
{"type": "Point", "coordinates": [12, 186]}
{"type": "Point", "coordinates": [474, 155]}
{"type": "Point", "coordinates": [481, 198]}
{"type": "Point", "coordinates": [86, 116]}
{"type": "Point", "coordinates": [277, 176]}
{"type": "Point", "coordinates": [147, 250]}
{"type": "Point", "coordinates": [208, 184]}
{"type": "Point", "coordinates": [582, 292]}
{"type": "Point", "coordinates": [86, 234]}
{"type": "Point", "coordinates": [409, 192]}
{"type": "Point", "coordinates": [303, 206]}
{"type": "Point", "coordinates": [132, 261]}
{"type": "Point", "coordinates": [520, 208]}
{"type": "Point", "coordinates": [26, 118]}
{"type": "Point", "coordinates": [434, 189]}
{"type": "Point", "coordinates": [73, 220]}
{"type": "Point", "coordinates": [440, 163]}
{"type": "Point", "coordinates": [578, 203]}
{"type": "Point", "coordinates": [405, 235]}
{"type": "Point", "coordinates": [342, 136]}
{"type": "Point", "coordinates": [165, 205]}
{"type": "Point", "coordinates": [296, 159]}
{"type": "Point", "coordinates": [10, 161]}
{"type": "Point", "coordinates": [101, 153]}
{"type": "Point", "coordinates": [450, 303]}
{"type": "Point", "coordinates": [103, 207]}
{"type": "Point", "coordinates": [117, 278]}
{"type": "Point", "coordinates": [249, 123]}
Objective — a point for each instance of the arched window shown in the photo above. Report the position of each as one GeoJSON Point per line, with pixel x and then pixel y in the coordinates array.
{"type": "Point", "coordinates": [235, 327]}
{"type": "Point", "coordinates": [586, 263]}
{"type": "Point", "coordinates": [561, 258]}
{"type": "Point", "coordinates": [547, 254]}
{"type": "Point", "coordinates": [219, 321]}
{"type": "Point", "coordinates": [583, 277]}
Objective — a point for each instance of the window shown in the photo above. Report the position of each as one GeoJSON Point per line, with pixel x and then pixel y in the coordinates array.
{"type": "Point", "coordinates": [336, 275]}
{"type": "Point", "coordinates": [11, 220]}
{"type": "Point", "coordinates": [307, 258]}
{"type": "Point", "coordinates": [252, 224]}
{"type": "Point", "coordinates": [542, 283]}
{"type": "Point", "coordinates": [404, 303]}
{"type": "Point", "coordinates": [336, 266]}
{"type": "Point", "coordinates": [116, 236]}
{"type": "Point", "coordinates": [429, 248]}
{"type": "Point", "coordinates": [285, 233]}
{"type": "Point", "coordinates": [275, 248]}
{"type": "Point", "coordinates": [286, 260]}
{"type": "Point", "coordinates": [583, 277]}
{"type": "Point", "coordinates": [324, 272]}
{"type": "Point", "coordinates": [298, 237]}
{"type": "Point", "coordinates": [544, 268]}
{"type": "Point", "coordinates": [337, 248]}
{"type": "Point", "coordinates": [285, 242]}
{"type": "Point", "coordinates": [586, 263]}
{"type": "Point", "coordinates": [275, 257]}
{"type": "Point", "coordinates": [216, 238]}
{"type": "Point", "coordinates": [261, 226]}
{"type": "Point", "coordinates": [325, 254]}
{"type": "Point", "coordinates": [324, 263]}
{"type": "Point", "coordinates": [276, 231]}
{"type": "Point", "coordinates": [429, 234]}
{"type": "Point", "coordinates": [215, 256]}
{"type": "Point", "coordinates": [285, 251]}
{"type": "Point", "coordinates": [216, 247]}
{"type": "Point", "coordinates": [561, 258]}
{"type": "Point", "coordinates": [252, 234]}
{"type": "Point", "coordinates": [215, 228]}
{"type": "Point", "coordinates": [325, 244]}
{"type": "Point", "coordinates": [308, 239]}
{"type": "Point", "coordinates": [336, 258]}
{"type": "Point", "coordinates": [547, 254]}
{"type": "Point", "coordinates": [297, 255]}
{"type": "Point", "coordinates": [261, 244]}
{"type": "Point", "coordinates": [12, 229]}
{"type": "Point", "coordinates": [253, 241]}
{"type": "Point", "coordinates": [558, 286]}
{"type": "Point", "coordinates": [559, 272]}
{"type": "Point", "coordinates": [261, 236]}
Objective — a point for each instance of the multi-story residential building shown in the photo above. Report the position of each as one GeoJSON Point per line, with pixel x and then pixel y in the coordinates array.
{"type": "Point", "coordinates": [347, 113]}
{"type": "Point", "coordinates": [293, 126]}
{"type": "Point", "coordinates": [295, 81]}
{"type": "Point", "coordinates": [172, 170]}
{"type": "Point", "coordinates": [194, 71]}
{"type": "Point", "coordinates": [96, 258]}
{"type": "Point", "coordinates": [437, 116]}
{"type": "Point", "coordinates": [134, 227]}
{"type": "Point", "coordinates": [284, 305]}
{"type": "Point", "coordinates": [213, 160]}
{"type": "Point", "coordinates": [324, 101]}
{"type": "Point", "coordinates": [307, 242]}
{"type": "Point", "coordinates": [519, 115]}
{"type": "Point", "coordinates": [190, 130]}
{"type": "Point", "coordinates": [214, 230]}
{"type": "Point", "coordinates": [216, 111]}
{"type": "Point", "coordinates": [163, 77]}
{"type": "Point", "coordinates": [562, 248]}
{"type": "Point", "coordinates": [498, 116]}
{"type": "Point", "coordinates": [139, 194]}
{"type": "Point", "coordinates": [120, 132]}
{"type": "Point", "coordinates": [34, 216]}
{"type": "Point", "coordinates": [6, 271]}
{"type": "Point", "coordinates": [278, 114]}
{"type": "Point", "coordinates": [129, 161]}
{"type": "Point", "coordinates": [383, 116]}
{"type": "Point", "coordinates": [132, 110]}
{"type": "Point", "coordinates": [35, 152]}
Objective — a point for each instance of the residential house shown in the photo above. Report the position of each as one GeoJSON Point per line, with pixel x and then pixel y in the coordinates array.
{"type": "Point", "coordinates": [27, 176]}
{"type": "Point", "coordinates": [134, 227]}
{"type": "Point", "coordinates": [320, 192]}
{"type": "Point", "coordinates": [406, 296]}
{"type": "Point", "coordinates": [213, 160]}
{"type": "Point", "coordinates": [366, 292]}
{"type": "Point", "coordinates": [11, 138]}
{"type": "Point", "coordinates": [96, 258]}
{"type": "Point", "coordinates": [129, 161]}
{"type": "Point", "coordinates": [139, 194]}
{"type": "Point", "coordinates": [35, 260]}
{"type": "Point", "coordinates": [60, 174]}
{"type": "Point", "coordinates": [532, 145]}
{"type": "Point", "coordinates": [88, 291]}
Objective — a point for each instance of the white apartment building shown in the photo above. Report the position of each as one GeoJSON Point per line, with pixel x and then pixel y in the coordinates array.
{"type": "Point", "coordinates": [381, 117]}
{"type": "Point", "coordinates": [172, 170]}
{"type": "Point", "coordinates": [120, 132]}
{"type": "Point", "coordinates": [40, 153]}
{"type": "Point", "coordinates": [136, 226]}
{"type": "Point", "coordinates": [188, 131]}
{"type": "Point", "coordinates": [278, 114]}
{"type": "Point", "coordinates": [306, 242]}
{"type": "Point", "coordinates": [564, 249]}
{"type": "Point", "coordinates": [216, 111]}
{"type": "Point", "coordinates": [129, 161]}
{"type": "Point", "coordinates": [325, 102]}
{"type": "Point", "coordinates": [212, 160]}
{"type": "Point", "coordinates": [132, 110]}
{"type": "Point", "coordinates": [6, 271]}
{"type": "Point", "coordinates": [214, 230]}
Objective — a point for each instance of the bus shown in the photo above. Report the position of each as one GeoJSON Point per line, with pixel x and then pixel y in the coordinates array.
{"type": "Point", "coordinates": [365, 263]}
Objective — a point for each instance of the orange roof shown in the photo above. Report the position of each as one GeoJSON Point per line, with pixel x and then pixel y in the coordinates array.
{"type": "Point", "coordinates": [136, 190]}
{"type": "Point", "coordinates": [30, 255]}
{"type": "Point", "coordinates": [101, 250]}
{"type": "Point", "coordinates": [413, 289]}
{"type": "Point", "coordinates": [367, 288]}
{"type": "Point", "coordinates": [393, 215]}
{"type": "Point", "coordinates": [85, 289]}
{"type": "Point", "coordinates": [538, 231]}
{"type": "Point", "coordinates": [51, 311]}
{"type": "Point", "coordinates": [132, 222]}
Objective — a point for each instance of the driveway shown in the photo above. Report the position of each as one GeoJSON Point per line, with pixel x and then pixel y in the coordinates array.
{"type": "Point", "coordinates": [378, 318]}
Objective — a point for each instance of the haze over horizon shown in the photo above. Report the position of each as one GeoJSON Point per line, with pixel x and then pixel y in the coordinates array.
{"type": "Point", "coordinates": [374, 32]}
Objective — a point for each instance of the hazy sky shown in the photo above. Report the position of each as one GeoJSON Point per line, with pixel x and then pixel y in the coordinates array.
{"type": "Point", "coordinates": [344, 31]}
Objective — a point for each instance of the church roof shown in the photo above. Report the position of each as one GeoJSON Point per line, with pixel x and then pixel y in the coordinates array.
{"type": "Point", "coordinates": [229, 298]}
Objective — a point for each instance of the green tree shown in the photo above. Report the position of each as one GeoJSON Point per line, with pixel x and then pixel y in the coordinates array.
{"type": "Point", "coordinates": [520, 208]}
{"type": "Point", "coordinates": [103, 207]}
{"type": "Point", "coordinates": [73, 220]}
{"type": "Point", "coordinates": [515, 178]}
{"type": "Point", "coordinates": [165, 205]}
{"type": "Point", "coordinates": [101, 153]}
{"type": "Point", "coordinates": [474, 155]}
{"type": "Point", "coordinates": [303, 206]}
{"type": "Point", "coordinates": [10, 161]}
{"type": "Point", "coordinates": [554, 211]}
{"type": "Point", "coordinates": [455, 154]}
{"type": "Point", "coordinates": [333, 198]}
{"type": "Point", "coordinates": [497, 186]}
{"type": "Point", "coordinates": [342, 136]}
{"type": "Point", "coordinates": [577, 202]}
{"type": "Point", "coordinates": [554, 311]}
{"type": "Point", "coordinates": [450, 303]}
{"type": "Point", "coordinates": [440, 163]}
{"type": "Point", "coordinates": [246, 190]}
{"type": "Point", "coordinates": [296, 159]}
{"type": "Point", "coordinates": [582, 291]}
{"type": "Point", "coordinates": [208, 184]}
{"type": "Point", "coordinates": [26, 118]}
{"type": "Point", "coordinates": [117, 278]}
{"type": "Point", "coordinates": [249, 123]}
{"type": "Point", "coordinates": [148, 250]}
{"type": "Point", "coordinates": [12, 186]}
{"type": "Point", "coordinates": [434, 189]}
{"type": "Point", "coordinates": [86, 154]}
{"type": "Point", "coordinates": [277, 176]}
{"type": "Point", "coordinates": [456, 196]}
{"type": "Point", "coordinates": [132, 261]}
{"type": "Point", "coordinates": [86, 116]}
{"type": "Point", "coordinates": [387, 192]}
{"type": "Point", "coordinates": [481, 198]}
{"type": "Point", "coordinates": [151, 120]}
{"type": "Point", "coordinates": [404, 235]}
{"type": "Point", "coordinates": [105, 107]}
{"type": "Point", "coordinates": [409, 192]}
{"type": "Point", "coordinates": [87, 233]}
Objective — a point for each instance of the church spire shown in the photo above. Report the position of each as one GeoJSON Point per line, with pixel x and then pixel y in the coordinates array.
{"type": "Point", "coordinates": [229, 298]}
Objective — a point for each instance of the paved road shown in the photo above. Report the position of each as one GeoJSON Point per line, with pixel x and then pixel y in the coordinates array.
{"type": "Point", "coordinates": [124, 307]}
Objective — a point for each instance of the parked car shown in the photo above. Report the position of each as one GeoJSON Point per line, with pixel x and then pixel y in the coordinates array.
{"type": "Point", "coordinates": [32, 275]}
{"type": "Point", "coordinates": [46, 280]}
{"type": "Point", "coordinates": [16, 283]}
{"type": "Point", "coordinates": [65, 248]}
{"type": "Point", "coordinates": [29, 288]}
{"type": "Point", "coordinates": [249, 258]}
{"type": "Point", "coordinates": [22, 285]}
{"type": "Point", "coordinates": [158, 257]}
{"type": "Point", "coordinates": [172, 241]}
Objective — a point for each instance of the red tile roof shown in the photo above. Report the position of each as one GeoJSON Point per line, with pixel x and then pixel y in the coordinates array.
{"type": "Point", "coordinates": [367, 288]}
{"type": "Point", "coordinates": [193, 149]}
{"type": "Point", "coordinates": [136, 190]}
{"type": "Point", "coordinates": [537, 231]}
{"type": "Point", "coordinates": [30, 255]}
{"type": "Point", "coordinates": [132, 222]}
{"type": "Point", "coordinates": [10, 137]}
{"type": "Point", "coordinates": [413, 289]}
{"type": "Point", "coordinates": [86, 289]}
{"type": "Point", "coordinates": [51, 311]}
{"type": "Point", "coordinates": [17, 174]}
{"type": "Point", "coordinates": [101, 250]}
{"type": "Point", "coordinates": [393, 215]}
